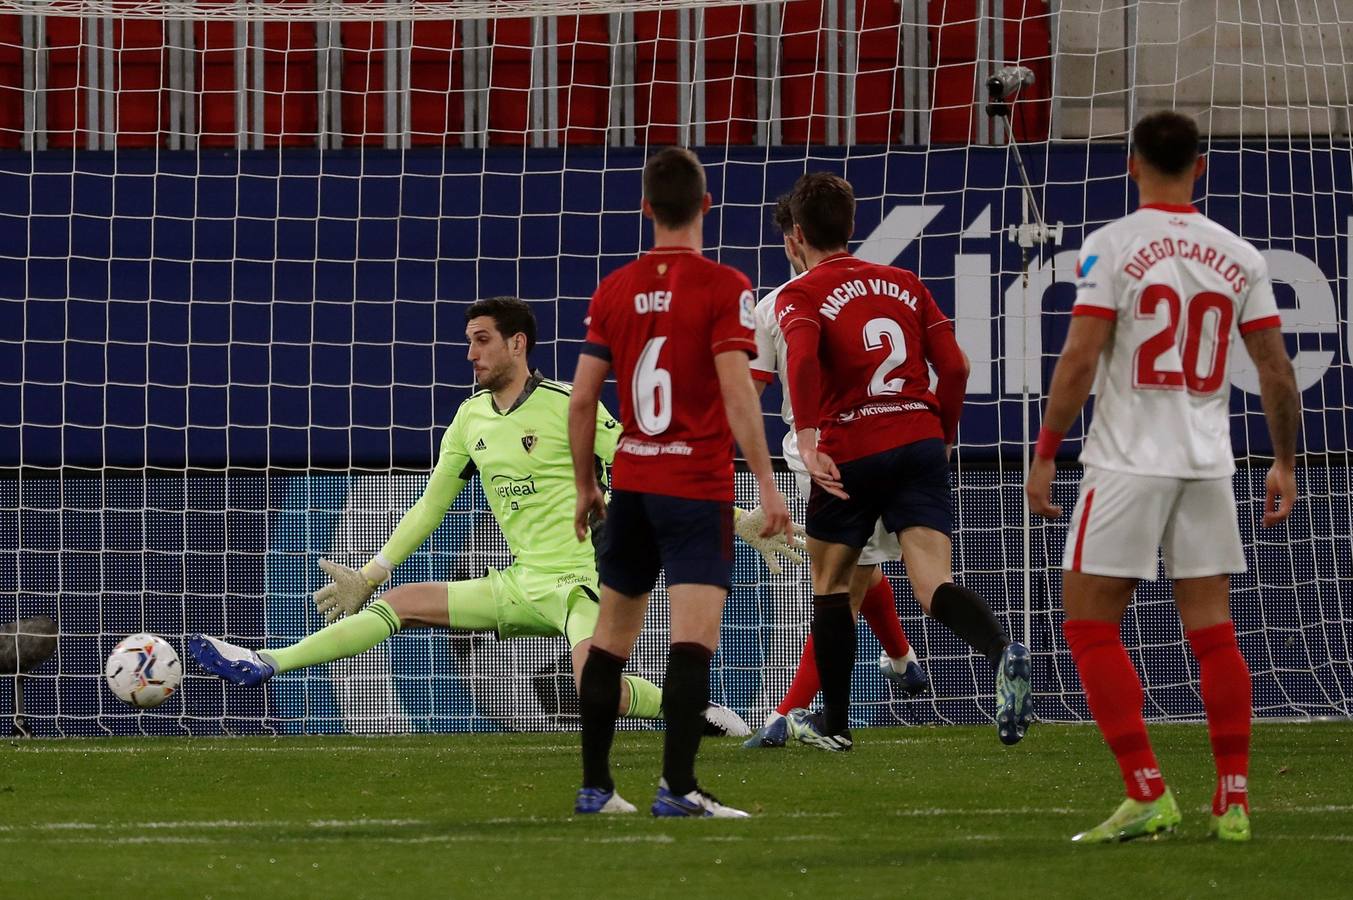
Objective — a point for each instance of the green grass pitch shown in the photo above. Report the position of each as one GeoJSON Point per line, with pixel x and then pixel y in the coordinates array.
{"type": "Point", "coordinates": [932, 812]}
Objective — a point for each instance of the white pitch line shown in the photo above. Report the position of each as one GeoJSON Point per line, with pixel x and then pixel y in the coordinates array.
{"type": "Point", "coordinates": [1336, 838]}
{"type": "Point", "coordinates": [282, 824]}
{"type": "Point", "coordinates": [429, 839]}
{"type": "Point", "coordinates": [225, 745]}
{"type": "Point", "coordinates": [206, 746]}
{"type": "Point", "coordinates": [215, 825]}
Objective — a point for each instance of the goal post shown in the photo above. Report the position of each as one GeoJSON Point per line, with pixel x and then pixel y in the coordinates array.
{"type": "Point", "coordinates": [237, 241]}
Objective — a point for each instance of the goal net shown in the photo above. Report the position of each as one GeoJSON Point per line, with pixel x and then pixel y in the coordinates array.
{"type": "Point", "coordinates": [237, 241]}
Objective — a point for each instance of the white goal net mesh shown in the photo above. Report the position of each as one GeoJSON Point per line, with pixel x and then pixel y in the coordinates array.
{"type": "Point", "coordinates": [237, 241]}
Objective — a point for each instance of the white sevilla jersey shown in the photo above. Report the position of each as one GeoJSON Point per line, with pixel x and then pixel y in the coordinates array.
{"type": "Point", "coordinates": [1178, 287]}
{"type": "Point", "coordinates": [772, 359]}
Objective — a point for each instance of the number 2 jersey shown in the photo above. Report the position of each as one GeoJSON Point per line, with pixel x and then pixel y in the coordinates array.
{"type": "Point", "coordinates": [660, 321]}
{"type": "Point", "coordinates": [860, 339]}
{"type": "Point", "coordinates": [1177, 286]}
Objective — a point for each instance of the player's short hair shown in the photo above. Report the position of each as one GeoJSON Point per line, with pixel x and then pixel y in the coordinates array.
{"type": "Point", "coordinates": [510, 315]}
{"type": "Point", "coordinates": [1167, 141]}
{"type": "Point", "coordinates": [823, 205]}
{"type": "Point", "coordinates": [674, 186]}
{"type": "Point", "coordinates": [783, 215]}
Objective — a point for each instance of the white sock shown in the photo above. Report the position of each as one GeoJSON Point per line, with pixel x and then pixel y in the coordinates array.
{"type": "Point", "coordinates": [773, 717]}
{"type": "Point", "coordinates": [899, 663]}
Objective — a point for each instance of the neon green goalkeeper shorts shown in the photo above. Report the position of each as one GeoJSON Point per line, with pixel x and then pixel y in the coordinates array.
{"type": "Point", "coordinates": [521, 602]}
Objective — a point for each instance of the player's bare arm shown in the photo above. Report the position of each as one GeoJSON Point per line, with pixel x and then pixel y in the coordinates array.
{"type": "Point", "coordinates": [743, 406]}
{"type": "Point", "coordinates": [582, 434]}
{"type": "Point", "coordinates": [1071, 383]}
{"type": "Point", "coordinates": [1282, 409]}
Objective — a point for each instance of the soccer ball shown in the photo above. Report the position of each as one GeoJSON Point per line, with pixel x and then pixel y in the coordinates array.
{"type": "Point", "coordinates": [143, 670]}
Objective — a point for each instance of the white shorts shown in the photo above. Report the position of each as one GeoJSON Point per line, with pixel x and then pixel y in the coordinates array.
{"type": "Point", "coordinates": [882, 546]}
{"type": "Point", "coordinates": [1121, 520]}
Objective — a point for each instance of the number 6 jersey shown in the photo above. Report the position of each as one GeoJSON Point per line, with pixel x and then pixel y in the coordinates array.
{"type": "Point", "coordinates": [1177, 286]}
{"type": "Point", "coordinates": [660, 321]}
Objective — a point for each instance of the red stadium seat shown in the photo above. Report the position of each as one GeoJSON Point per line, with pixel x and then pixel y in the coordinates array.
{"type": "Point", "coordinates": [215, 82]}
{"type": "Point", "coordinates": [66, 121]}
{"type": "Point", "coordinates": [956, 88]}
{"type": "Point", "coordinates": [584, 78]}
{"type": "Point", "coordinates": [11, 82]}
{"type": "Point", "coordinates": [436, 78]}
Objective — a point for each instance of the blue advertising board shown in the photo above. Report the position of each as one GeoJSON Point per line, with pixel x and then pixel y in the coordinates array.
{"type": "Point", "coordinates": [306, 310]}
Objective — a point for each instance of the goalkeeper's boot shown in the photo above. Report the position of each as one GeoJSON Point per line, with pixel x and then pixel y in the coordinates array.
{"type": "Point", "coordinates": [809, 728]}
{"type": "Point", "coordinates": [905, 673]}
{"type": "Point", "coordinates": [596, 800]}
{"type": "Point", "coordinates": [1014, 693]}
{"type": "Point", "coordinates": [238, 665]}
{"type": "Point", "coordinates": [1134, 819]}
{"type": "Point", "coordinates": [720, 721]}
{"type": "Point", "coordinates": [773, 734]}
{"type": "Point", "coordinates": [1232, 825]}
{"type": "Point", "coordinates": [697, 804]}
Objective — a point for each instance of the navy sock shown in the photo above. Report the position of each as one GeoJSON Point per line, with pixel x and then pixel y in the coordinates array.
{"type": "Point", "coordinates": [685, 694]}
{"type": "Point", "coordinates": [834, 641]}
{"type": "Point", "coordinates": [968, 616]}
{"type": "Point", "coordinates": [598, 701]}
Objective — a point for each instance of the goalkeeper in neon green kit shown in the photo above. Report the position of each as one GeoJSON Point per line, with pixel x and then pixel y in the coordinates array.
{"type": "Point", "coordinates": [514, 433]}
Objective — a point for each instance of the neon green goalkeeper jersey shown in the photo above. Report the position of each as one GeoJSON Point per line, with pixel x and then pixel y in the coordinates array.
{"type": "Point", "coordinates": [522, 457]}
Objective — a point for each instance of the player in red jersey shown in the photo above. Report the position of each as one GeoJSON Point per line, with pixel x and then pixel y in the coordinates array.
{"type": "Point", "coordinates": [860, 339]}
{"type": "Point", "coordinates": [898, 662]}
{"type": "Point", "coordinates": [677, 330]}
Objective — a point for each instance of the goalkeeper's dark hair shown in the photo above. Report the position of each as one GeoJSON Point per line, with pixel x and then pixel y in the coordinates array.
{"type": "Point", "coordinates": [1167, 141]}
{"type": "Point", "coordinates": [823, 205]}
{"type": "Point", "coordinates": [674, 186]}
{"type": "Point", "coordinates": [509, 314]}
{"type": "Point", "coordinates": [783, 217]}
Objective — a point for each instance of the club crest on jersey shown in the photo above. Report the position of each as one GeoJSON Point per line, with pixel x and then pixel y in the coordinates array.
{"type": "Point", "coordinates": [528, 442]}
{"type": "Point", "coordinates": [1084, 266]}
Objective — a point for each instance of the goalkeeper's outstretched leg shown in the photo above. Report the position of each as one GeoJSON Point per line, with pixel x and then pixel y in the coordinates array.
{"type": "Point", "coordinates": [506, 602]}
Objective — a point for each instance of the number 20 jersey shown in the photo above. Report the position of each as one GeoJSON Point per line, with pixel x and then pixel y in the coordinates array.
{"type": "Point", "coordinates": [660, 321]}
{"type": "Point", "coordinates": [1177, 287]}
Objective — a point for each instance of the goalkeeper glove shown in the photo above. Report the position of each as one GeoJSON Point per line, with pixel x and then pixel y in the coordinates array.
{"type": "Point", "coordinates": [348, 589]}
{"type": "Point", "coordinates": [748, 525]}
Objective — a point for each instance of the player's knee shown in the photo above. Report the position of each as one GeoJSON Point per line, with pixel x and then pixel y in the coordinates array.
{"type": "Point", "coordinates": [410, 604]}
{"type": "Point", "coordinates": [400, 601]}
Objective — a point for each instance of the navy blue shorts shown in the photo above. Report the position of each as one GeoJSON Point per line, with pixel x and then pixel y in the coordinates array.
{"type": "Point", "coordinates": [691, 539]}
{"type": "Point", "coordinates": [906, 487]}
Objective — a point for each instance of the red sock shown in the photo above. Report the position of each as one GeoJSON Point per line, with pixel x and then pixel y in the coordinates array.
{"type": "Point", "coordinates": [804, 687]}
{"type": "Point", "coordinates": [1114, 693]}
{"type": "Point", "coordinates": [880, 611]}
{"type": "Point", "coordinates": [1226, 697]}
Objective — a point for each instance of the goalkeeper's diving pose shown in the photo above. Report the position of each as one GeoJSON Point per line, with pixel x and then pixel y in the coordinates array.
{"type": "Point", "coordinates": [514, 433]}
